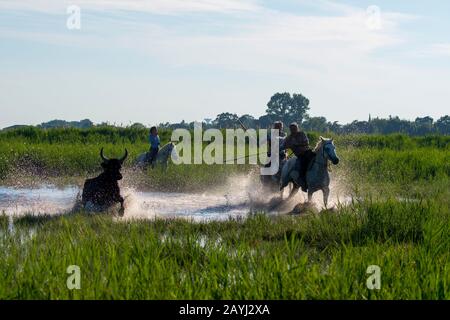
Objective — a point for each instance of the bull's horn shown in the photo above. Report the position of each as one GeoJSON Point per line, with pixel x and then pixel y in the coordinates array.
{"type": "Point", "coordinates": [103, 157]}
{"type": "Point", "coordinates": [125, 156]}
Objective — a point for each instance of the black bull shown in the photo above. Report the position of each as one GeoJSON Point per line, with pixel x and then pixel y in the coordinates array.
{"type": "Point", "coordinates": [102, 192]}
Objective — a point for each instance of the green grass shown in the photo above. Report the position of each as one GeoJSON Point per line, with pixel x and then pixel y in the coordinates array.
{"type": "Point", "coordinates": [396, 159]}
{"type": "Point", "coordinates": [399, 220]}
{"type": "Point", "coordinates": [317, 256]}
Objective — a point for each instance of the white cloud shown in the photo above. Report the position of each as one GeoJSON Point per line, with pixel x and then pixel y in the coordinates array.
{"type": "Point", "coordinates": [150, 6]}
{"type": "Point", "coordinates": [275, 42]}
{"type": "Point", "coordinates": [262, 40]}
{"type": "Point", "coordinates": [333, 59]}
{"type": "Point", "coordinates": [265, 41]}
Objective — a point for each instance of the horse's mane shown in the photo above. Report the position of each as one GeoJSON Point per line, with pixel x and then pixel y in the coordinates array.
{"type": "Point", "coordinates": [320, 143]}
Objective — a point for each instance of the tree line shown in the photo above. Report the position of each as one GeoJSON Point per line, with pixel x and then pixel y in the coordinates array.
{"type": "Point", "coordinates": [294, 108]}
{"type": "Point", "coordinates": [288, 108]}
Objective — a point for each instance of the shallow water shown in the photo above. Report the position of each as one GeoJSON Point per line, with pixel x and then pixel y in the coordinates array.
{"type": "Point", "coordinates": [191, 206]}
{"type": "Point", "coordinates": [52, 200]}
{"type": "Point", "coordinates": [42, 200]}
{"type": "Point", "coordinates": [236, 198]}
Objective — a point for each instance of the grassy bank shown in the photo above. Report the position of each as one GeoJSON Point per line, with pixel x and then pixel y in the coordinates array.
{"type": "Point", "coordinates": [318, 256]}
{"type": "Point", "coordinates": [400, 222]}
{"type": "Point", "coordinates": [29, 152]}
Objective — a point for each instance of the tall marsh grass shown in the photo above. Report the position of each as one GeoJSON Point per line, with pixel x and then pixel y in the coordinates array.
{"type": "Point", "coordinates": [322, 256]}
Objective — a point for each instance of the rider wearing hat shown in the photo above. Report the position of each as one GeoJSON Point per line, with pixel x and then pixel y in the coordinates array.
{"type": "Point", "coordinates": [298, 142]}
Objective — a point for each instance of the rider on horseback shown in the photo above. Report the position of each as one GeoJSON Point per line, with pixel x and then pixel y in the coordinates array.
{"type": "Point", "coordinates": [298, 142]}
{"type": "Point", "coordinates": [154, 144]}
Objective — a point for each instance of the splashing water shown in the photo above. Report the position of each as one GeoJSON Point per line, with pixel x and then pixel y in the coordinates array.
{"type": "Point", "coordinates": [182, 205]}
{"type": "Point", "coordinates": [234, 199]}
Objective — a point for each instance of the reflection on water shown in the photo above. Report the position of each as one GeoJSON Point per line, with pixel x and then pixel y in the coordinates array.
{"type": "Point", "coordinates": [234, 199]}
{"type": "Point", "coordinates": [46, 199]}
{"type": "Point", "coordinates": [52, 200]}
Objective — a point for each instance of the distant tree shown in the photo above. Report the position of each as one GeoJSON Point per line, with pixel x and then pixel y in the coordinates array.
{"type": "Point", "coordinates": [423, 125]}
{"type": "Point", "coordinates": [164, 125]}
{"type": "Point", "coordinates": [182, 124]}
{"type": "Point", "coordinates": [248, 121]}
{"type": "Point", "coordinates": [53, 124]}
{"type": "Point", "coordinates": [319, 124]}
{"type": "Point", "coordinates": [226, 120]}
{"type": "Point", "coordinates": [443, 125]}
{"type": "Point", "coordinates": [266, 121]}
{"type": "Point", "coordinates": [390, 125]}
{"type": "Point", "coordinates": [207, 123]}
{"type": "Point", "coordinates": [427, 121]}
{"type": "Point", "coordinates": [15, 127]}
{"type": "Point", "coordinates": [288, 108]}
{"type": "Point", "coordinates": [137, 125]}
{"type": "Point", "coordinates": [357, 127]}
{"type": "Point", "coordinates": [83, 124]}
{"type": "Point", "coordinates": [335, 127]}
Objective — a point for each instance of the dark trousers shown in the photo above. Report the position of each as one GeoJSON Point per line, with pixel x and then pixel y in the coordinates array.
{"type": "Point", "coordinates": [152, 154]}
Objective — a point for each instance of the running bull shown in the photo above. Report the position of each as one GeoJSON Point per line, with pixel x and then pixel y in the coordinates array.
{"type": "Point", "coordinates": [103, 192]}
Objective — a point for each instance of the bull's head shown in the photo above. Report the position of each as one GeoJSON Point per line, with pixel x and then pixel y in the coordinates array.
{"type": "Point", "coordinates": [112, 167]}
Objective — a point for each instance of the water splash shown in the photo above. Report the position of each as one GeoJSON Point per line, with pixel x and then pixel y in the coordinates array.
{"type": "Point", "coordinates": [239, 196]}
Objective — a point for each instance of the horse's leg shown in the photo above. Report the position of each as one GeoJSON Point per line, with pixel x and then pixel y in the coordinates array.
{"type": "Point", "coordinates": [281, 189]}
{"type": "Point", "coordinates": [294, 191]}
{"type": "Point", "coordinates": [310, 194]}
{"type": "Point", "coordinates": [326, 193]}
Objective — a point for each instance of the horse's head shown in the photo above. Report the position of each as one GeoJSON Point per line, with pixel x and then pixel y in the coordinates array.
{"type": "Point", "coordinates": [329, 150]}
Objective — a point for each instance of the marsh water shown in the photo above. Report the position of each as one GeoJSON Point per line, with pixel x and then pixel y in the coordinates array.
{"type": "Point", "coordinates": [53, 200]}
{"type": "Point", "coordinates": [235, 199]}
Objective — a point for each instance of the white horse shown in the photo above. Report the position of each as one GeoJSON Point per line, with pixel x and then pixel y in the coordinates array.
{"type": "Point", "coordinates": [317, 176]}
{"type": "Point", "coordinates": [162, 158]}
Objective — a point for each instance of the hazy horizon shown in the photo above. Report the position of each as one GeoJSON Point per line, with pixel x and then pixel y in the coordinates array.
{"type": "Point", "coordinates": [157, 123]}
{"type": "Point", "coordinates": [162, 61]}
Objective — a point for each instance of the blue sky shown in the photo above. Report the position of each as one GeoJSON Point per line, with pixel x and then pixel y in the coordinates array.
{"type": "Point", "coordinates": [167, 60]}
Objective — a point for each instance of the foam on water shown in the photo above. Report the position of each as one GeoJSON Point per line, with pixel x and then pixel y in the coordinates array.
{"type": "Point", "coordinates": [182, 205]}
{"type": "Point", "coordinates": [236, 198]}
